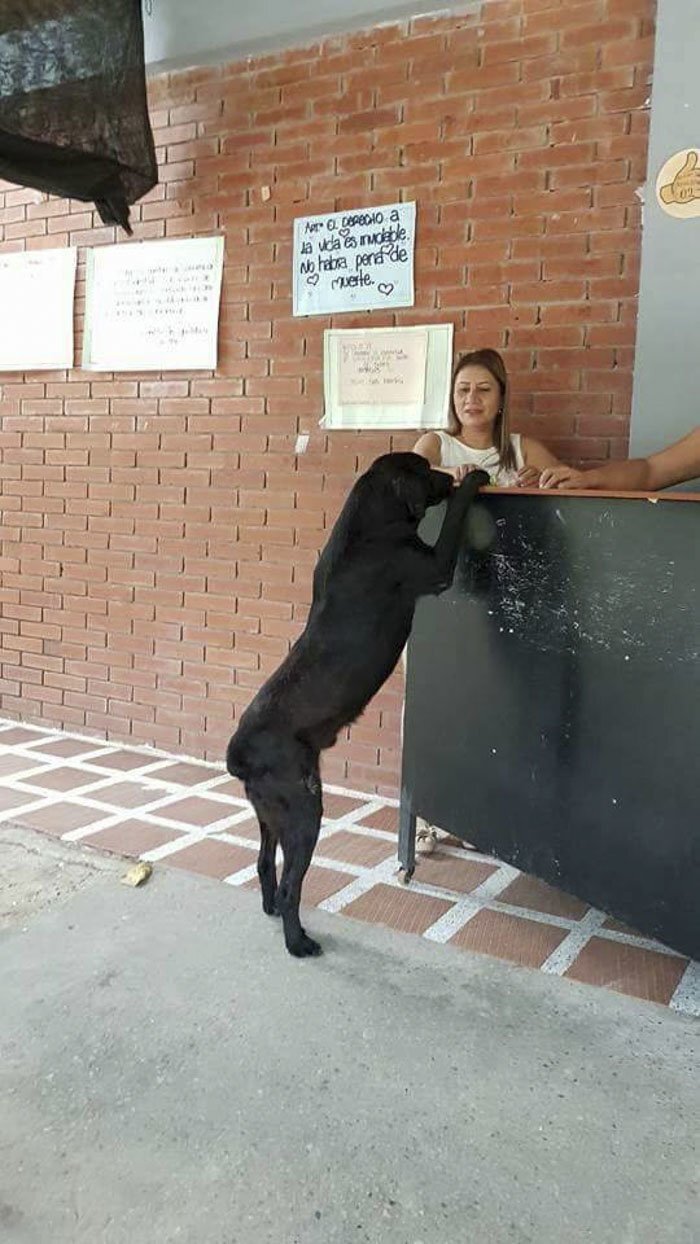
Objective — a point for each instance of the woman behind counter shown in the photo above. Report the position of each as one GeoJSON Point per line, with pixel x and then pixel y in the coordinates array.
{"type": "Point", "coordinates": [479, 435]}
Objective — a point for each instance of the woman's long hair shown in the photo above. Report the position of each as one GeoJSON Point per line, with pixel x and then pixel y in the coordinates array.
{"type": "Point", "coordinates": [492, 361]}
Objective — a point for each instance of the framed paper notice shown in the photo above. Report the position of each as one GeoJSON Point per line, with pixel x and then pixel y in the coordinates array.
{"type": "Point", "coordinates": [37, 289]}
{"type": "Point", "coordinates": [388, 377]}
{"type": "Point", "coordinates": [153, 306]}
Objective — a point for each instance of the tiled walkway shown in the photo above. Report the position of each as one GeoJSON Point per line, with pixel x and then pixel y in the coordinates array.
{"type": "Point", "coordinates": [192, 815]}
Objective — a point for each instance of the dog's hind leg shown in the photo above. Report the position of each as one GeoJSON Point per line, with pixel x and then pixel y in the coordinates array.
{"type": "Point", "coordinates": [267, 871]}
{"type": "Point", "coordinates": [298, 838]}
{"type": "Point", "coordinates": [296, 865]}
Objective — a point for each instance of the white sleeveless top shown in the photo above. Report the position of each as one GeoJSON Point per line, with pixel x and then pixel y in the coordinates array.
{"type": "Point", "coordinates": [454, 453]}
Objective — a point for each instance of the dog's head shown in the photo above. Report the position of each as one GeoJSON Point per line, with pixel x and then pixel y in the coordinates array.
{"type": "Point", "coordinates": [412, 481]}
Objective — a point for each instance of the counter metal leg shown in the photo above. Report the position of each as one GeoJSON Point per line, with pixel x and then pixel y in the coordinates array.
{"type": "Point", "coordinates": [407, 838]}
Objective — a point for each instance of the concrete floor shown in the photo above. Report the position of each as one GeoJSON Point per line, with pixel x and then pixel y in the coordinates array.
{"type": "Point", "coordinates": [170, 1074]}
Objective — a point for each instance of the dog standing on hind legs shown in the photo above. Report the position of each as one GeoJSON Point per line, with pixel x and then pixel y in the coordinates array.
{"type": "Point", "coordinates": [366, 584]}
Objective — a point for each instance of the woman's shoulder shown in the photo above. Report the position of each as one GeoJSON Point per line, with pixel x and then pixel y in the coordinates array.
{"type": "Point", "coordinates": [428, 445]}
{"type": "Point", "coordinates": [435, 438]}
{"type": "Point", "coordinates": [427, 440]}
{"type": "Point", "coordinates": [454, 452]}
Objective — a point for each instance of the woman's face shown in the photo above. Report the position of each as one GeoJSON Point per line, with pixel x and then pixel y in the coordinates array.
{"type": "Point", "coordinates": [477, 399]}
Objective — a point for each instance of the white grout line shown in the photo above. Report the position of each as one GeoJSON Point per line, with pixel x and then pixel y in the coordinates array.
{"type": "Point", "coordinates": [50, 736]}
{"type": "Point", "coordinates": [686, 997]}
{"type": "Point", "coordinates": [383, 800]}
{"type": "Point", "coordinates": [319, 861]}
{"type": "Point", "coordinates": [214, 827]}
{"type": "Point", "coordinates": [111, 776]}
{"type": "Point", "coordinates": [244, 874]}
{"type": "Point", "coordinates": [642, 943]}
{"type": "Point", "coordinates": [31, 766]}
{"type": "Point", "coordinates": [539, 917]}
{"type": "Point", "coordinates": [193, 836]}
{"type": "Point", "coordinates": [81, 759]}
{"type": "Point", "coordinates": [78, 793]}
{"type": "Point", "coordinates": [470, 904]}
{"type": "Point", "coordinates": [568, 951]}
{"type": "Point", "coordinates": [340, 866]}
{"type": "Point", "coordinates": [382, 874]}
{"type": "Point", "coordinates": [363, 831]}
{"type": "Point", "coordinates": [50, 732]}
{"type": "Point", "coordinates": [164, 797]}
{"type": "Point", "coordinates": [197, 832]}
{"type": "Point", "coordinates": [236, 840]}
{"type": "Point", "coordinates": [105, 822]}
{"type": "Point", "coordinates": [11, 814]}
{"type": "Point", "coordinates": [349, 819]}
{"type": "Point", "coordinates": [190, 838]}
{"type": "Point", "coordinates": [251, 870]}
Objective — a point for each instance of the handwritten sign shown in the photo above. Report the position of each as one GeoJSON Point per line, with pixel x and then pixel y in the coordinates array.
{"type": "Point", "coordinates": [387, 368]}
{"type": "Point", "coordinates": [36, 296]}
{"type": "Point", "coordinates": [153, 306]}
{"type": "Point", "coordinates": [359, 260]}
{"type": "Point", "coordinates": [387, 378]}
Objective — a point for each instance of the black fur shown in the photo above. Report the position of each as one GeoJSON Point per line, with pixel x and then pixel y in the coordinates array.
{"type": "Point", "coordinates": [366, 584]}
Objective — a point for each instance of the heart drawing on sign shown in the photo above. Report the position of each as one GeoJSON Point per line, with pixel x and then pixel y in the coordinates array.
{"type": "Point", "coordinates": [313, 279]}
{"type": "Point", "coordinates": [345, 233]}
{"type": "Point", "coordinates": [385, 288]}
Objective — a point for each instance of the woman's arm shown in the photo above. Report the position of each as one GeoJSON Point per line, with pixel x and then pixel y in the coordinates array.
{"type": "Point", "coordinates": [537, 458]}
{"type": "Point", "coordinates": [428, 446]}
{"type": "Point", "coordinates": [675, 465]}
{"type": "Point", "coordinates": [678, 463]}
{"type": "Point", "coordinates": [630, 476]}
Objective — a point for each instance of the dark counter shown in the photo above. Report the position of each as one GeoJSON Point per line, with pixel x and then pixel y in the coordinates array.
{"type": "Point", "coordinates": [553, 701]}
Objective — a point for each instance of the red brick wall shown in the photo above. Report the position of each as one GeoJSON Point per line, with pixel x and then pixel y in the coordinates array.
{"type": "Point", "coordinates": [159, 534]}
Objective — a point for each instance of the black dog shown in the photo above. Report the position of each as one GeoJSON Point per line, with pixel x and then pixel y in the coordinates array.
{"type": "Point", "coordinates": [367, 580]}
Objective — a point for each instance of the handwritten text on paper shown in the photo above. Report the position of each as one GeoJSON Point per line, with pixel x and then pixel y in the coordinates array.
{"type": "Point", "coordinates": [383, 369]}
{"type": "Point", "coordinates": [359, 260]}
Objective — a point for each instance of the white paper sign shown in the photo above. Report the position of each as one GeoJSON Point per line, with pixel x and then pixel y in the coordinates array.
{"type": "Point", "coordinates": [36, 304]}
{"type": "Point", "coordinates": [386, 368]}
{"type": "Point", "coordinates": [388, 378]}
{"type": "Point", "coordinates": [153, 306]}
{"type": "Point", "coordinates": [359, 260]}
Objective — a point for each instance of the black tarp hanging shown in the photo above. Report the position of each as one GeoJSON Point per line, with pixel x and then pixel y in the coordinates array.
{"type": "Point", "coordinates": [73, 114]}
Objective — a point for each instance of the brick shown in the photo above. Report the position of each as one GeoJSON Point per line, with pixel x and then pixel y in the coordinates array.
{"type": "Point", "coordinates": [635, 52]}
{"type": "Point", "coordinates": [521, 140]}
{"type": "Point", "coordinates": [538, 16]}
{"type": "Point", "coordinates": [520, 49]}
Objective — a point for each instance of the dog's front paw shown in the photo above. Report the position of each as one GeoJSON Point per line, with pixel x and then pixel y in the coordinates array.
{"type": "Point", "coordinates": [304, 946]}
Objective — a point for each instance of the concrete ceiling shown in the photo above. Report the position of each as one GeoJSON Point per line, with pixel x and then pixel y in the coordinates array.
{"type": "Point", "coordinates": [194, 32]}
